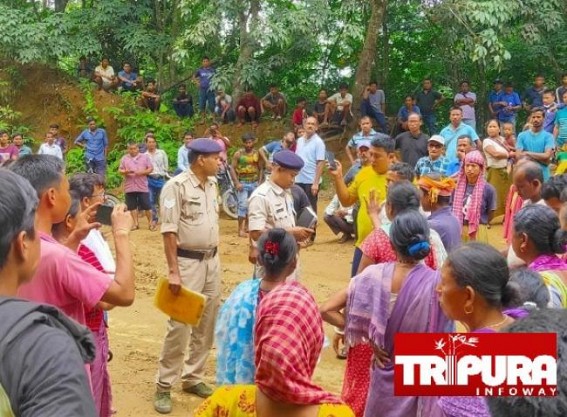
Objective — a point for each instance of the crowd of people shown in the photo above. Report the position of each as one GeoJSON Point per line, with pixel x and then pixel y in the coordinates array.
{"type": "Point", "coordinates": [419, 209]}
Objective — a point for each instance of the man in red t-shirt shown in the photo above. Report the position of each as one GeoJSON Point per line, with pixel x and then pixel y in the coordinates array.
{"type": "Point", "coordinates": [248, 109]}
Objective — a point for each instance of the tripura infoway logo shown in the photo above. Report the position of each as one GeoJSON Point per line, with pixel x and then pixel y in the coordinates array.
{"type": "Point", "coordinates": [486, 364]}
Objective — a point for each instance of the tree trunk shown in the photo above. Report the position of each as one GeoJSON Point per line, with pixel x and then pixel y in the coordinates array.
{"type": "Point", "coordinates": [60, 5]}
{"type": "Point", "coordinates": [247, 45]}
{"type": "Point", "coordinates": [368, 53]}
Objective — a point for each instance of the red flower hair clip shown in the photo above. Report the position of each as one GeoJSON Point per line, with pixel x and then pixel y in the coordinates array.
{"type": "Point", "coordinates": [272, 248]}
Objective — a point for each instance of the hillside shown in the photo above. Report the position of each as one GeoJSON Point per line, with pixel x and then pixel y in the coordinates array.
{"type": "Point", "coordinates": [44, 95]}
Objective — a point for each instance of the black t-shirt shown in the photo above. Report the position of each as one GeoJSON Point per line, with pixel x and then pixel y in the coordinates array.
{"type": "Point", "coordinates": [412, 148]}
{"type": "Point", "coordinates": [426, 100]}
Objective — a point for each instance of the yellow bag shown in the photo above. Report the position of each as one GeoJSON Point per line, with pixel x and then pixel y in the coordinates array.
{"type": "Point", "coordinates": [185, 307]}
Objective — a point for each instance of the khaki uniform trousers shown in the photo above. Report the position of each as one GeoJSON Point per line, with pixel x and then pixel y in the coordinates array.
{"type": "Point", "coordinates": [203, 277]}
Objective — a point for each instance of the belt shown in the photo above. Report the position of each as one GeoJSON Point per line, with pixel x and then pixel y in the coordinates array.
{"type": "Point", "coordinates": [158, 177]}
{"type": "Point", "coordinates": [195, 254]}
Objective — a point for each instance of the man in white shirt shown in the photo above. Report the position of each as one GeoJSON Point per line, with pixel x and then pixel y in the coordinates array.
{"type": "Point", "coordinates": [49, 147]}
{"type": "Point", "coordinates": [104, 75]}
{"type": "Point", "coordinates": [223, 107]}
{"type": "Point", "coordinates": [339, 219]}
{"type": "Point", "coordinates": [341, 104]}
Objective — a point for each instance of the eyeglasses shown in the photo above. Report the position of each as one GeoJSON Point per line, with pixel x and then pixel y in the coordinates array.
{"type": "Point", "coordinates": [103, 194]}
{"type": "Point", "coordinates": [435, 145]}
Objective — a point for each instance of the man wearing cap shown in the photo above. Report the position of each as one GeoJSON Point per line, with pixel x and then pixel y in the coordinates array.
{"type": "Point", "coordinates": [434, 161]}
{"type": "Point", "coordinates": [190, 229]}
{"type": "Point", "coordinates": [412, 145]}
{"type": "Point", "coordinates": [271, 204]}
{"type": "Point", "coordinates": [436, 196]}
{"type": "Point", "coordinates": [362, 160]}
{"type": "Point", "coordinates": [95, 142]}
{"type": "Point", "coordinates": [454, 130]}
{"type": "Point", "coordinates": [311, 149]}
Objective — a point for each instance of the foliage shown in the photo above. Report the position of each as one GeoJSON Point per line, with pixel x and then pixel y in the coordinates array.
{"type": "Point", "coordinates": [134, 122]}
{"type": "Point", "coordinates": [301, 45]}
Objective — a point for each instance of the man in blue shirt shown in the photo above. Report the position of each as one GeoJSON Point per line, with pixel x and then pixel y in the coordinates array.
{"type": "Point", "coordinates": [129, 80]}
{"type": "Point", "coordinates": [374, 105]}
{"type": "Point", "coordinates": [509, 105]}
{"type": "Point", "coordinates": [494, 98]}
{"type": "Point", "coordinates": [536, 143]}
{"type": "Point", "coordinates": [202, 78]}
{"type": "Point", "coordinates": [366, 134]}
{"type": "Point", "coordinates": [95, 143]}
{"type": "Point", "coordinates": [533, 95]}
{"type": "Point", "coordinates": [268, 150]}
{"type": "Point", "coordinates": [452, 132]}
{"type": "Point", "coordinates": [311, 149]}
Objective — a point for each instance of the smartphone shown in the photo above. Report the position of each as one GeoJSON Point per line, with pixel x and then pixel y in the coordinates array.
{"type": "Point", "coordinates": [104, 214]}
{"type": "Point", "coordinates": [331, 160]}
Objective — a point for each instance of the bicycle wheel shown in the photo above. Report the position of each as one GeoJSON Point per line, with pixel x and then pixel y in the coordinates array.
{"type": "Point", "coordinates": [230, 204]}
{"type": "Point", "coordinates": [112, 200]}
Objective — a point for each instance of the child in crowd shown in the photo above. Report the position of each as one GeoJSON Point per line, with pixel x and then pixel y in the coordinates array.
{"type": "Point", "coordinates": [509, 143]}
{"type": "Point", "coordinates": [247, 171]}
{"type": "Point", "coordinates": [299, 114]}
{"type": "Point", "coordinates": [18, 141]}
{"type": "Point", "coordinates": [49, 147]}
{"type": "Point", "coordinates": [550, 109]}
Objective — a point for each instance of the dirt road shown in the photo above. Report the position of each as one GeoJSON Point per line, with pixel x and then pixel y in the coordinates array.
{"type": "Point", "coordinates": [136, 333]}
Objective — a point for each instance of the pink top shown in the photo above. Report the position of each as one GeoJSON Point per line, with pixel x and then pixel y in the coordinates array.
{"type": "Point", "coordinates": [9, 152]}
{"type": "Point", "coordinates": [65, 281]}
{"type": "Point", "coordinates": [136, 183]}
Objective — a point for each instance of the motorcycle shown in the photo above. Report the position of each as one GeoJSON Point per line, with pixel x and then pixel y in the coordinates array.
{"type": "Point", "coordinates": [227, 191]}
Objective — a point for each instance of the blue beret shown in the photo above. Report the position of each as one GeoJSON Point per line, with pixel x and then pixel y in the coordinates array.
{"type": "Point", "coordinates": [288, 159]}
{"type": "Point", "coordinates": [203, 145]}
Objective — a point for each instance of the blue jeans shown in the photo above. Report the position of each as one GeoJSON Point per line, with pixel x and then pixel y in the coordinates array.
{"type": "Point", "coordinates": [155, 185]}
{"type": "Point", "coordinates": [429, 122]}
{"type": "Point", "coordinates": [243, 196]}
{"type": "Point", "coordinates": [207, 97]}
{"type": "Point", "coordinates": [98, 167]}
{"type": "Point", "coordinates": [356, 258]}
{"type": "Point", "coordinates": [367, 110]}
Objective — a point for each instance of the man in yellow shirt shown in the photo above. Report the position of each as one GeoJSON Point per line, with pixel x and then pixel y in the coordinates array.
{"type": "Point", "coordinates": [372, 177]}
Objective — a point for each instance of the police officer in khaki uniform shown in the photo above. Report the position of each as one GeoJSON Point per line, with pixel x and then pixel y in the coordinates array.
{"type": "Point", "coordinates": [271, 204]}
{"type": "Point", "coordinates": [190, 229]}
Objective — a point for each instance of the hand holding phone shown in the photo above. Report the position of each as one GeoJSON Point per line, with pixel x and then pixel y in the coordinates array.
{"type": "Point", "coordinates": [104, 214]}
{"type": "Point", "coordinates": [331, 160]}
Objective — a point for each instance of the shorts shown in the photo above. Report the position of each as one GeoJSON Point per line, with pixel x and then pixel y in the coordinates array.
{"type": "Point", "coordinates": [138, 201]}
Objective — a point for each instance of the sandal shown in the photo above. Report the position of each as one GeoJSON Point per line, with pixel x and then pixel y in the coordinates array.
{"type": "Point", "coordinates": [136, 227]}
{"type": "Point", "coordinates": [153, 226]}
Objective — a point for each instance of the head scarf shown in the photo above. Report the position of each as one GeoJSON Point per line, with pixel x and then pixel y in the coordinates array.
{"type": "Point", "coordinates": [443, 187]}
{"type": "Point", "coordinates": [288, 339]}
{"type": "Point", "coordinates": [473, 213]}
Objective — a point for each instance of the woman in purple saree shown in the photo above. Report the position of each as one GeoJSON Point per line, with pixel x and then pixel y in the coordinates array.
{"type": "Point", "coordinates": [396, 297]}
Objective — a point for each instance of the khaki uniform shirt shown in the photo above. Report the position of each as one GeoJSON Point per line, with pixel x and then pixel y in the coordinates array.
{"type": "Point", "coordinates": [270, 206]}
{"type": "Point", "coordinates": [190, 211]}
